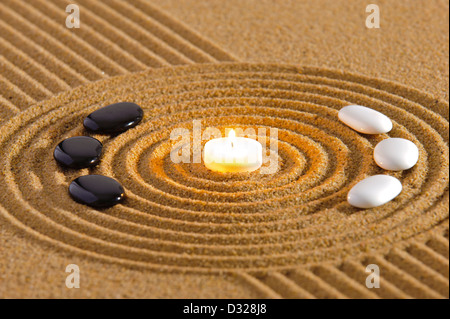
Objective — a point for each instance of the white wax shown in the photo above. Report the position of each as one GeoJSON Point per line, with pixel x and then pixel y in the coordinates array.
{"type": "Point", "coordinates": [233, 154]}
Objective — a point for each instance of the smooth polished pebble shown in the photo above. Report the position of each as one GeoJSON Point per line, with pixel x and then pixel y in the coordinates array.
{"type": "Point", "coordinates": [78, 152]}
{"type": "Point", "coordinates": [96, 191]}
{"type": "Point", "coordinates": [374, 191]}
{"type": "Point", "coordinates": [114, 118]}
{"type": "Point", "coordinates": [396, 154]}
{"type": "Point", "coordinates": [365, 120]}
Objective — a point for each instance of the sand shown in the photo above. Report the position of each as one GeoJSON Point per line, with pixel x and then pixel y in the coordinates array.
{"type": "Point", "coordinates": [184, 231]}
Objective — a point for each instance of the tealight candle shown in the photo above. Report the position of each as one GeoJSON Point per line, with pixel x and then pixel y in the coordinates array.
{"type": "Point", "coordinates": [233, 154]}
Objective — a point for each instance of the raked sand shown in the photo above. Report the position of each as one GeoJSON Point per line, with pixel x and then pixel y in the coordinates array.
{"type": "Point", "coordinates": [183, 231]}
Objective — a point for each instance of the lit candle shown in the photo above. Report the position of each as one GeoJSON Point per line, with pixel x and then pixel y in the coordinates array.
{"type": "Point", "coordinates": [233, 154]}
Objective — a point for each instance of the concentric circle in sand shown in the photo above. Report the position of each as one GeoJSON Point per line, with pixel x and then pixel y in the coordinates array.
{"type": "Point", "coordinates": [184, 217]}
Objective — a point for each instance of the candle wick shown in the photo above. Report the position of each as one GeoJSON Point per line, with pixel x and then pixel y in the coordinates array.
{"type": "Point", "coordinates": [231, 137]}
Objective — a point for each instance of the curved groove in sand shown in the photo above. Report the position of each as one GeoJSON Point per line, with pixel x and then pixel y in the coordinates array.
{"type": "Point", "coordinates": [183, 217]}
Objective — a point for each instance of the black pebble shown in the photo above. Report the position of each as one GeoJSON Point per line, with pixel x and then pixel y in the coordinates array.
{"type": "Point", "coordinates": [114, 118]}
{"type": "Point", "coordinates": [78, 152]}
{"type": "Point", "coordinates": [96, 191]}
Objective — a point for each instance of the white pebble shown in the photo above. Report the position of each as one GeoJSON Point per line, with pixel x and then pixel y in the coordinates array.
{"type": "Point", "coordinates": [396, 154]}
{"type": "Point", "coordinates": [374, 191]}
{"type": "Point", "coordinates": [365, 120]}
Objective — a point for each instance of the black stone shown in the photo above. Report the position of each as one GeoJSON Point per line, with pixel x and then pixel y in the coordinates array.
{"type": "Point", "coordinates": [78, 152]}
{"type": "Point", "coordinates": [97, 191]}
{"type": "Point", "coordinates": [114, 118]}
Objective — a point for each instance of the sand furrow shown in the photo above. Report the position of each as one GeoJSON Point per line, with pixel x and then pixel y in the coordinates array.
{"type": "Point", "coordinates": [58, 31]}
{"type": "Point", "coordinates": [314, 284]}
{"type": "Point", "coordinates": [161, 31]}
{"type": "Point", "coordinates": [133, 30]}
{"type": "Point", "coordinates": [21, 79]}
{"type": "Point", "coordinates": [401, 279]}
{"type": "Point", "coordinates": [7, 109]}
{"type": "Point", "coordinates": [357, 272]}
{"type": "Point", "coordinates": [14, 94]}
{"type": "Point", "coordinates": [418, 270]}
{"type": "Point", "coordinates": [285, 287]}
{"type": "Point", "coordinates": [440, 245]}
{"type": "Point", "coordinates": [339, 280]}
{"type": "Point", "coordinates": [184, 31]}
{"type": "Point", "coordinates": [118, 36]}
{"type": "Point", "coordinates": [39, 54]}
{"type": "Point", "coordinates": [282, 235]}
{"type": "Point", "coordinates": [42, 38]}
{"type": "Point", "coordinates": [260, 288]}
{"type": "Point", "coordinates": [430, 258]}
{"type": "Point", "coordinates": [38, 72]}
{"type": "Point", "coordinates": [96, 39]}
{"type": "Point", "coordinates": [177, 216]}
{"type": "Point", "coordinates": [60, 58]}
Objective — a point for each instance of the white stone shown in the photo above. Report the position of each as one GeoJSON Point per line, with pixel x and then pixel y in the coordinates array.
{"type": "Point", "coordinates": [365, 120]}
{"type": "Point", "coordinates": [396, 154]}
{"type": "Point", "coordinates": [374, 191]}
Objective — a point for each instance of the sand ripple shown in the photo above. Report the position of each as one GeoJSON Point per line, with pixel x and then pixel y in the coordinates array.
{"type": "Point", "coordinates": [183, 217]}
